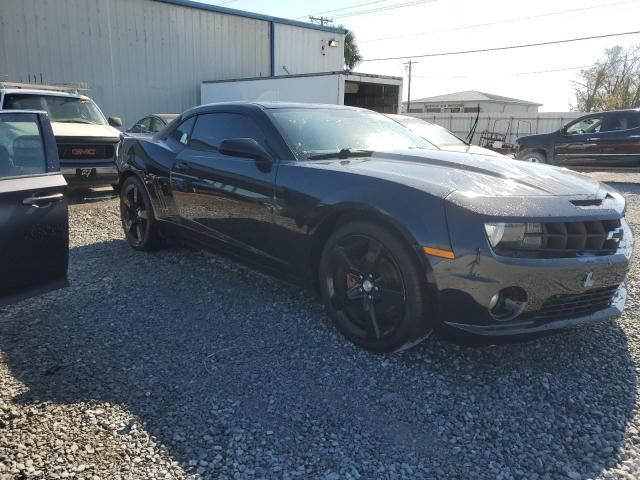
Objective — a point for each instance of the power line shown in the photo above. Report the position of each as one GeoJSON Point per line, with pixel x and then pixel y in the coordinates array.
{"type": "Point", "coordinates": [385, 8]}
{"type": "Point", "coordinates": [535, 72]}
{"type": "Point", "coordinates": [500, 22]}
{"type": "Point", "coordinates": [343, 8]}
{"type": "Point", "coordinates": [495, 49]}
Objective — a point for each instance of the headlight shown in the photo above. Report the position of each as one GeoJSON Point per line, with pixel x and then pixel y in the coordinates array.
{"type": "Point", "coordinates": [514, 236]}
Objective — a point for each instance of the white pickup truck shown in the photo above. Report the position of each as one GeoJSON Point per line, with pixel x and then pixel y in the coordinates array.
{"type": "Point", "coordinates": [87, 141]}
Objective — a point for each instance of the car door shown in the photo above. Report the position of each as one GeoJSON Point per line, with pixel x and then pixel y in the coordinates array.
{"type": "Point", "coordinates": [577, 143]}
{"type": "Point", "coordinates": [619, 140]}
{"type": "Point", "coordinates": [227, 198]}
{"type": "Point", "coordinates": [34, 231]}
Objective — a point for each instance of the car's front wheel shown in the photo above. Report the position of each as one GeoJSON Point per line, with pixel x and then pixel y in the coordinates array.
{"type": "Point", "coordinates": [534, 157]}
{"type": "Point", "coordinates": [136, 213]}
{"type": "Point", "coordinates": [373, 289]}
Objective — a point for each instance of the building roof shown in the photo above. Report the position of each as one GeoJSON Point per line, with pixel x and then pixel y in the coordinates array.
{"type": "Point", "coordinates": [472, 96]}
{"type": "Point", "coordinates": [255, 16]}
{"type": "Point", "coordinates": [347, 73]}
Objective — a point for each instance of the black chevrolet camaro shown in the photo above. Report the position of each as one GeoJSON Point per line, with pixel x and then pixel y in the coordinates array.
{"type": "Point", "coordinates": [399, 238]}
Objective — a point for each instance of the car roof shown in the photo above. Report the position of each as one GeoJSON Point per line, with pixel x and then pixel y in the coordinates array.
{"type": "Point", "coordinates": [50, 93]}
{"type": "Point", "coordinates": [624, 110]}
{"type": "Point", "coordinates": [273, 106]}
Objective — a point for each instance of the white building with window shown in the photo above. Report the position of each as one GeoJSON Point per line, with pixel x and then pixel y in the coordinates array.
{"type": "Point", "coordinates": [468, 102]}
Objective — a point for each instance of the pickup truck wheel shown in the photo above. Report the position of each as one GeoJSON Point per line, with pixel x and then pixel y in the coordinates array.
{"type": "Point", "coordinates": [372, 288]}
{"type": "Point", "coordinates": [139, 225]}
{"type": "Point", "coordinates": [534, 157]}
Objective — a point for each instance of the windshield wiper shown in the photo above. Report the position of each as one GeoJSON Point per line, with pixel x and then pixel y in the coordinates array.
{"type": "Point", "coordinates": [75, 121]}
{"type": "Point", "coordinates": [344, 153]}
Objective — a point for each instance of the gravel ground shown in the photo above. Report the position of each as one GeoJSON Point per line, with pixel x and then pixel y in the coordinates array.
{"type": "Point", "coordinates": [180, 364]}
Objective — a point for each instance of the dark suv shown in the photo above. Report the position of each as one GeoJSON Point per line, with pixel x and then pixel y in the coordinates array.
{"type": "Point", "coordinates": [605, 139]}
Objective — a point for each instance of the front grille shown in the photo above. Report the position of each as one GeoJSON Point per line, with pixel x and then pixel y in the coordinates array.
{"type": "Point", "coordinates": [567, 306]}
{"type": "Point", "coordinates": [70, 151]}
{"type": "Point", "coordinates": [570, 239]}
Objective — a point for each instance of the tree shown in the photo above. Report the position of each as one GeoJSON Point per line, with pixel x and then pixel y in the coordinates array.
{"type": "Point", "coordinates": [352, 55]}
{"type": "Point", "coordinates": [613, 83]}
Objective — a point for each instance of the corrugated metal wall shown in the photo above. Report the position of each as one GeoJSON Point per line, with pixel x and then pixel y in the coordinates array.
{"type": "Point", "coordinates": [513, 124]}
{"type": "Point", "coordinates": [301, 50]}
{"type": "Point", "coordinates": [136, 56]}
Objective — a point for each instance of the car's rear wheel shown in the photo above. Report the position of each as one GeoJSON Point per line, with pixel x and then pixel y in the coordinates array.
{"type": "Point", "coordinates": [136, 212]}
{"type": "Point", "coordinates": [372, 287]}
{"type": "Point", "coordinates": [534, 157]}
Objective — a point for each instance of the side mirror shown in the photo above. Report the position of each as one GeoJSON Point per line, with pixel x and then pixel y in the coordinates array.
{"type": "Point", "coordinates": [115, 121]}
{"type": "Point", "coordinates": [245, 148]}
{"type": "Point", "coordinates": [563, 131]}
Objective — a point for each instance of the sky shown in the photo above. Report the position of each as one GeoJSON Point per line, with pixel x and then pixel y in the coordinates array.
{"type": "Point", "coordinates": [436, 26]}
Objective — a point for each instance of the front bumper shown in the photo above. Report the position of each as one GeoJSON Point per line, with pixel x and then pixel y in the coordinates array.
{"type": "Point", "coordinates": [523, 327]}
{"type": "Point", "coordinates": [467, 284]}
{"type": "Point", "coordinates": [90, 174]}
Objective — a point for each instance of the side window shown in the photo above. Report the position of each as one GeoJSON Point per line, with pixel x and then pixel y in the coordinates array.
{"type": "Point", "coordinates": [145, 124]}
{"type": "Point", "coordinates": [585, 125]}
{"type": "Point", "coordinates": [182, 132]}
{"type": "Point", "coordinates": [212, 128]}
{"type": "Point", "coordinates": [623, 121]}
{"type": "Point", "coordinates": [21, 146]}
{"type": "Point", "coordinates": [156, 125]}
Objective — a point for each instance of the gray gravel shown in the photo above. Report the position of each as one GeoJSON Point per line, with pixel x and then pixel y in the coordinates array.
{"type": "Point", "coordinates": [180, 364]}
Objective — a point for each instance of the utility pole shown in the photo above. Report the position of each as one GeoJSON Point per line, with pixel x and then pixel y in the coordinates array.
{"type": "Point", "coordinates": [408, 66]}
{"type": "Point", "coordinates": [321, 20]}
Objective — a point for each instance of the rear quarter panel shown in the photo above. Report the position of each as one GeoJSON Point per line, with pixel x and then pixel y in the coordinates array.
{"type": "Point", "coordinates": [151, 162]}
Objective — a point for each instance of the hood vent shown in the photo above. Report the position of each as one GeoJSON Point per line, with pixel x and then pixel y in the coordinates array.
{"type": "Point", "coordinates": [590, 202]}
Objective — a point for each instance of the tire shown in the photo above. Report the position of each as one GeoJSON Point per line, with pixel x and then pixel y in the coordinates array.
{"type": "Point", "coordinates": [373, 288]}
{"type": "Point", "coordinates": [534, 157]}
{"type": "Point", "coordinates": [138, 222]}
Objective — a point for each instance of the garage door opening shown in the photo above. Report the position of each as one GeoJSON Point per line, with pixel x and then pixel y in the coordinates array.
{"type": "Point", "coordinates": [381, 98]}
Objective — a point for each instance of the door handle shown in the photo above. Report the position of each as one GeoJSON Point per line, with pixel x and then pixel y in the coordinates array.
{"type": "Point", "coordinates": [44, 201]}
{"type": "Point", "coordinates": [180, 166]}
{"type": "Point", "coordinates": [593, 139]}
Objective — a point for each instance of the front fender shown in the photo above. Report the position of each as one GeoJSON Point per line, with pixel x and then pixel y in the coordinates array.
{"type": "Point", "coordinates": [418, 216]}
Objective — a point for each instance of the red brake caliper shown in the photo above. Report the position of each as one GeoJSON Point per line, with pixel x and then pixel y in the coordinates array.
{"type": "Point", "coordinates": [352, 280]}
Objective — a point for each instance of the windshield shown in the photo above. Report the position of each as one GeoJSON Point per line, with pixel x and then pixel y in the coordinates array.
{"type": "Point", "coordinates": [316, 131]}
{"type": "Point", "coordinates": [434, 133]}
{"type": "Point", "coordinates": [60, 108]}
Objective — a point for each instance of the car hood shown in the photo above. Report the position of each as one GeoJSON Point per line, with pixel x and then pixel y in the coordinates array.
{"type": "Point", "coordinates": [470, 149]}
{"type": "Point", "coordinates": [540, 139]}
{"type": "Point", "coordinates": [84, 130]}
{"type": "Point", "coordinates": [442, 173]}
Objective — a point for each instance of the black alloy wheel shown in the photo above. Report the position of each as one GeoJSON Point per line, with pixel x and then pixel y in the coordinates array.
{"type": "Point", "coordinates": [372, 288]}
{"type": "Point", "coordinates": [137, 217]}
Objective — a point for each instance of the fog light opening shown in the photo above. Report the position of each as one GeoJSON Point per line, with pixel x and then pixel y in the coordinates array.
{"type": "Point", "coordinates": [507, 304]}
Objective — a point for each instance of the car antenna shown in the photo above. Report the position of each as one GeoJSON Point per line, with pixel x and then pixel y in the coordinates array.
{"type": "Point", "coordinates": [473, 129]}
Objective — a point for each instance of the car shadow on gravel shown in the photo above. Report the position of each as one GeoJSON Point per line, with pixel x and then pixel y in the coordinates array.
{"type": "Point", "coordinates": [244, 374]}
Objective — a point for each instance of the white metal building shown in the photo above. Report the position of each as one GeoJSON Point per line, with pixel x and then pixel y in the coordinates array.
{"type": "Point", "coordinates": [376, 92]}
{"type": "Point", "coordinates": [150, 56]}
{"type": "Point", "coordinates": [467, 102]}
